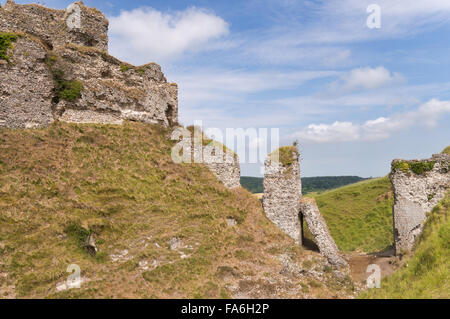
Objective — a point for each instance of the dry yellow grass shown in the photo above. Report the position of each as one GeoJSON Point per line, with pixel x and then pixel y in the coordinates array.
{"type": "Point", "coordinates": [62, 183]}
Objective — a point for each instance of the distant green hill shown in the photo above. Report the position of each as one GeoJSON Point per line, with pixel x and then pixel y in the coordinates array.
{"type": "Point", "coordinates": [309, 184]}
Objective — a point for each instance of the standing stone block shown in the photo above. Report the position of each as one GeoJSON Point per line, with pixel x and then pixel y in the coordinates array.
{"type": "Point", "coordinates": [419, 185]}
{"type": "Point", "coordinates": [283, 191]}
{"type": "Point", "coordinates": [318, 227]}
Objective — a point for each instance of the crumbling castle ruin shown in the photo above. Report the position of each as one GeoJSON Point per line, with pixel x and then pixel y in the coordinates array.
{"type": "Point", "coordinates": [55, 66]}
{"type": "Point", "coordinates": [283, 191]}
{"type": "Point", "coordinates": [419, 185]}
{"type": "Point", "coordinates": [284, 206]}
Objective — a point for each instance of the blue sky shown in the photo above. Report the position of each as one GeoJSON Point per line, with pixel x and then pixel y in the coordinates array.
{"type": "Point", "coordinates": [355, 98]}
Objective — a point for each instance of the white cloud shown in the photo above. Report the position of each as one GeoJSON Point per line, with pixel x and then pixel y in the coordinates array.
{"type": "Point", "coordinates": [336, 132]}
{"type": "Point", "coordinates": [145, 34]}
{"type": "Point", "coordinates": [221, 85]}
{"type": "Point", "coordinates": [381, 128]}
{"type": "Point", "coordinates": [367, 78]}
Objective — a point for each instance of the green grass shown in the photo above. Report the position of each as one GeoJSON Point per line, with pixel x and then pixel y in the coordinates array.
{"type": "Point", "coordinates": [425, 274]}
{"type": "Point", "coordinates": [417, 168]}
{"type": "Point", "coordinates": [68, 90]}
{"type": "Point", "coordinates": [6, 42]}
{"type": "Point", "coordinates": [286, 155]}
{"type": "Point", "coordinates": [446, 150]}
{"type": "Point", "coordinates": [359, 216]}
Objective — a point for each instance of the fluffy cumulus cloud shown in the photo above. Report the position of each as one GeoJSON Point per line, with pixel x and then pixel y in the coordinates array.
{"type": "Point", "coordinates": [367, 78]}
{"type": "Point", "coordinates": [427, 114]}
{"type": "Point", "coordinates": [146, 33]}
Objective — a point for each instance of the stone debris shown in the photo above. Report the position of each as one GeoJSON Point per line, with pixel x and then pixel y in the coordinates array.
{"type": "Point", "coordinates": [90, 246]}
{"type": "Point", "coordinates": [121, 256]}
{"type": "Point", "coordinates": [319, 229]}
{"type": "Point", "coordinates": [71, 284]}
{"type": "Point", "coordinates": [419, 186]}
{"type": "Point", "coordinates": [231, 222]}
{"type": "Point", "coordinates": [176, 243]}
{"type": "Point", "coordinates": [145, 265]}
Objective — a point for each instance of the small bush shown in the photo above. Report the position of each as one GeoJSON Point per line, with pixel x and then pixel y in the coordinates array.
{"type": "Point", "coordinates": [420, 168]}
{"type": "Point", "coordinates": [77, 232]}
{"type": "Point", "coordinates": [6, 41]}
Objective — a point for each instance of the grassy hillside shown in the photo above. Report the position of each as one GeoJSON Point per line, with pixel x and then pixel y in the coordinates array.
{"type": "Point", "coordinates": [446, 150]}
{"type": "Point", "coordinates": [426, 274]}
{"type": "Point", "coordinates": [162, 229]}
{"type": "Point", "coordinates": [359, 216]}
{"type": "Point", "coordinates": [309, 184]}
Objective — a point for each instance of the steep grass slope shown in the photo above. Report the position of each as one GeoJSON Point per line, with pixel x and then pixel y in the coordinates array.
{"type": "Point", "coordinates": [162, 229]}
{"type": "Point", "coordinates": [425, 274]}
{"type": "Point", "coordinates": [446, 150]}
{"type": "Point", "coordinates": [359, 216]}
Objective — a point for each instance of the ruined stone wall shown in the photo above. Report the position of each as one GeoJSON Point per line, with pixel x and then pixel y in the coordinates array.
{"type": "Point", "coordinates": [51, 26]}
{"type": "Point", "coordinates": [113, 91]}
{"type": "Point", "coordinates": [282, 193]}
{"type": "Point", "coordinates": [419, 185]}
{"type": "Point", "coordinates": [197, 148]}
{"type": "Point", "coordinates": [227, 171]}
{"type": "Point", "coordinates": [319, 229]}
{"type": "Point", "coordinates": [62, 76]}
{"type": "Point", "coordinates": [26, 87]}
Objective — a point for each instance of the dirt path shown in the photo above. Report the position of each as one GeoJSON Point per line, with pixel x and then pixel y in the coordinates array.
{"type": "Point", "coordinates": [359, 262]}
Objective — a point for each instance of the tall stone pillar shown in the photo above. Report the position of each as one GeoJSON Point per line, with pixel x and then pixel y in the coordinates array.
{"type": "Point", "coordinates": [283, 191]}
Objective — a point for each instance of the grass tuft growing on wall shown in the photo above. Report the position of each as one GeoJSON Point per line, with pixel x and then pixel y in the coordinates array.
{"type": "Point", "coordinates": [446, 150]}
{"type": "Point", "coordinates": [6, 42]}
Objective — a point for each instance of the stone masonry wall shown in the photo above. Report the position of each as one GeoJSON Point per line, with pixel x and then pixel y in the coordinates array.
{"type": "Point", "coordinates": [282, 194]}
{"type": "Point", "coordinates": [223, 163]}
{"type": "Point", "coordinates": [51, 27]}
{"type": "Point", "coordinates": [58, 74]}
{"type": "Point", "coordinates": [418, 186]}
{"type": "Point", "coordinates": [26, 87]}
{"type": "Point", "coordinates": [113, 91]}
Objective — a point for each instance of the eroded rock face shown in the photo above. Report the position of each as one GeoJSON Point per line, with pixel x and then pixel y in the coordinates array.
{"type": "Point", "coordinates": [418, 187]}
{"type": "Point", "coordinates": [26, 87]}
{"type": "Point", "coordinates": [51, 25]}
{"type": "Point", "coordinates": [59, 73]}
{"type": "Point", "coordinates": [113, 91]}
{"type": "Point", "coordinates": [282, 194]}
{"type": "Point", "coordinates": [318, 227]}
